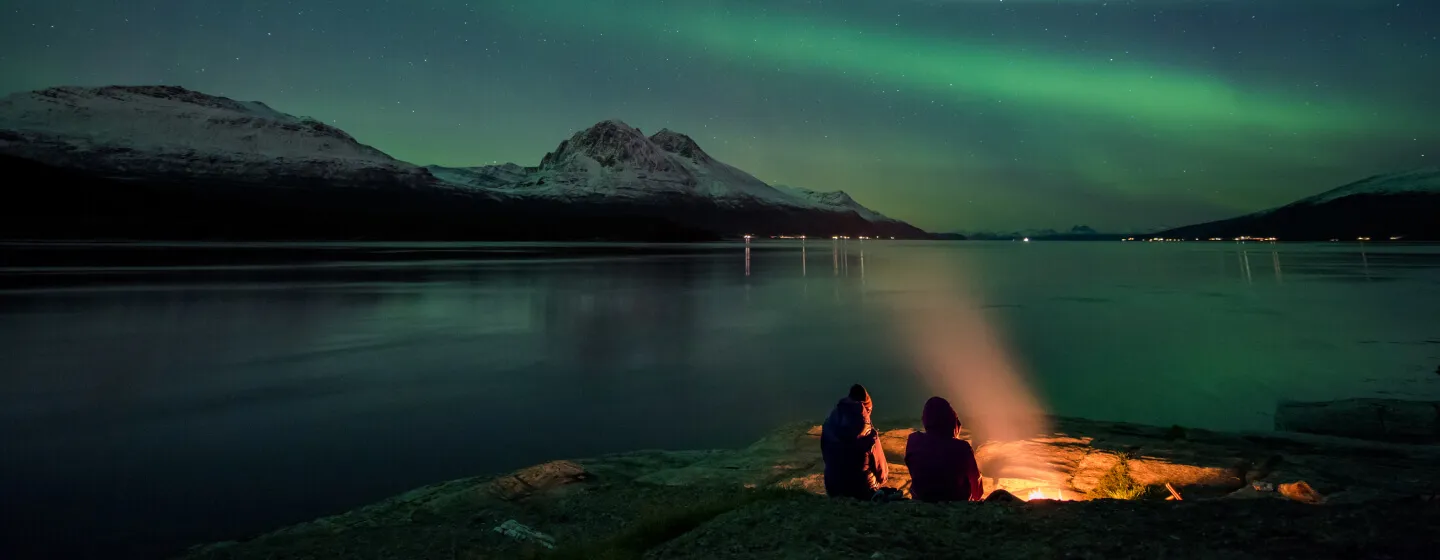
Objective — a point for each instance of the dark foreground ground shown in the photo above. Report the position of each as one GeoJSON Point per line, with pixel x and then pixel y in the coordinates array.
{"type": "Point", "coordinates": [1369, 500]}
{"type": "Point", "coordinates": [817, 528]}
{"type": "Point", "coordinates": [601, 520]}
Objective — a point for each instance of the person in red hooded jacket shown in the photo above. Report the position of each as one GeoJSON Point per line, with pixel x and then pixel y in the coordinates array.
{"type": "Point", "coordinates": [942, 466]}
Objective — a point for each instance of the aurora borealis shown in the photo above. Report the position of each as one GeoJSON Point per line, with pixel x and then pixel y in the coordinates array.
{"type": "Point", "coordinates": [951, 114]}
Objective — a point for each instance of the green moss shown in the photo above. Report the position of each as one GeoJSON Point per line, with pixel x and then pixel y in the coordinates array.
{"type": "Point", "coordinates": [1117, 484]}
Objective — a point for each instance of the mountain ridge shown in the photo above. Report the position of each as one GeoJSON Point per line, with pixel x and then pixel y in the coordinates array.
{"type": "Point", "coordinates": [1400, 206]}
{"type": "Point", "coordinates": [174, 136]}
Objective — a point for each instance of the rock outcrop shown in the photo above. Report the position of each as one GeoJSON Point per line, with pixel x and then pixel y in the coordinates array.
{"type": "Point", "coordinates": [593, 500]}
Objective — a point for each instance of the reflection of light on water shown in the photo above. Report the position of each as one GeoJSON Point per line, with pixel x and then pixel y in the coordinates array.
{"type": "Point", "coordinates": [862, 264]}
{"type": "Point", "coordinates": [747, 255]}
{"type": "Point", "coordinates": [803, 262]}
{"type": "Point", "coordinates": [1364, 260]}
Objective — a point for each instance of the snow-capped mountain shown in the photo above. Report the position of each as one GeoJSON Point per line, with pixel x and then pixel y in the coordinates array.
{"type": "Point", "coordinates": [187, 143]}
{"type": "Point", "coordinates": [612, 163]}
{"type": "Point", "coordinates": [1399, 205]}
{"type": "Point", "coordinates": [147, 131]}
{"type": "Point", "coordinates": [1419, 181]}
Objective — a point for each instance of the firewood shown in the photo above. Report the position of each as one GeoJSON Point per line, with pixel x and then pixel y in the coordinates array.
{"type": "Point", "coordinates": [1174, 495]}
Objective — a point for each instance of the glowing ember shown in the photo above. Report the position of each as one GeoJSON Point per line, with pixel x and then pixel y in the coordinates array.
{"type": "Point", "coordinates": [1038, 494]}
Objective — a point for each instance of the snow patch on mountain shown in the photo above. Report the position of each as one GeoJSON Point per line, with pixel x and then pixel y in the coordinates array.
{"type": "Point", "coordinates": [1396, 206]}
{"type": "Point", "coordinates": [613, 159]}
{"type": "Point", "coordinates": [609, 145]}
{"type": "Point", "coordinates": [682, 145]}
{"type": "Point", "coordinates": [487, 177]}
{"type": "Point", "coordinates": [614, 162]}
{"type": "Point", "coordinates": [1417, 181]}
{"type": "Point", "coordinates": [837, 200]}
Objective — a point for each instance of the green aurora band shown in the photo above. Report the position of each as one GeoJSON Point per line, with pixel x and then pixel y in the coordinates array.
{"type": "Point", "coordinates": [1156, 98]}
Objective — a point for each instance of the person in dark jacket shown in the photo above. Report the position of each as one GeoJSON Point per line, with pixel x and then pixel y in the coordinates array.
{"type": "Point", "coordinates": [855, 464]}
{"type": "Point", "coordinates": [942, 466]}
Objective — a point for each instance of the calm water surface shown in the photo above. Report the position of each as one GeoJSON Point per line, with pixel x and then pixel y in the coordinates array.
{"type": "Point", "coordinates": [153, 397]}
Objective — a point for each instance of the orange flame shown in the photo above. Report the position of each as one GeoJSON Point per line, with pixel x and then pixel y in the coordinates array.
{"type": "Point", "coordinates": [1038, 494]}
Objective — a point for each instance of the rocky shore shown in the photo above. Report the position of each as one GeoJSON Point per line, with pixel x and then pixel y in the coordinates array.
{"type": "Point", "coordinates": [1360, 498]}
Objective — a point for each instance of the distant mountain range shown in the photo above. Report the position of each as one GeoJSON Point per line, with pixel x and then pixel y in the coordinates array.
{"type": "Point", "coordinates": [1402, 206]}
{"type": "Point", "coordinates": [167, 162]}
{"type": "Point", "coordinates": [1394, 207]}
{"type": "Point", "coordinates": [164, 162]}
{"type": "Point", "coordinates": [1075, 233]}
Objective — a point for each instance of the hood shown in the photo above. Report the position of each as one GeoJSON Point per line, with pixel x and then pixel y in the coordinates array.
{"type": "Point", "coordinates": [940, 418]}
{"type": "Point", "coordinates": [849, 418]}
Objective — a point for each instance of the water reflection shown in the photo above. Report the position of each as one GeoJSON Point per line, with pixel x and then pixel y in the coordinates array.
{"type": "Point", "coordinates": [862, 262]}
{"type": "Point", "coordinates": [1364, 260]}
{"type": "Point", "coordinates": [845, 254]}
{"type": "Point", "coordinates": [747, 255]}
{"type": "Point", "coordinates": [804, 260]}
{"type": "Point", "coordinates": [1245, 265]}
{"type": "Point", "coordinates": [388, 384]}
{"type": "Point", "coordinates": [390, 374]}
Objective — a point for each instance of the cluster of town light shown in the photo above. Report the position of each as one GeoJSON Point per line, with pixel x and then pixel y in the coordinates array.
{"type": "Point", "coordinates": [1242, 239]}
{"type": "Point", "coordinates": [752, 236]}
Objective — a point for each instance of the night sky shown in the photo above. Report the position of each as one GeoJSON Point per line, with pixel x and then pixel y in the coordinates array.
{"type": "Point", "coordinates": [954, 115]}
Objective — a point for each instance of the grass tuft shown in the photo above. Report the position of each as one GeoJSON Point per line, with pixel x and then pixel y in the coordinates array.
{"type": "Point", "coordinates": [1117, 484]}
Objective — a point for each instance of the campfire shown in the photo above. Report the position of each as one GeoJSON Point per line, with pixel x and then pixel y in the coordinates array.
{"type": "Point", "coordinates": [1040, 494]}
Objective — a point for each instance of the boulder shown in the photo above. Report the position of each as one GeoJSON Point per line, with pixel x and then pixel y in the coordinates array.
{"type": "Point", "coordinates": [1252, 493]}
{"type": "Point", "coordinates": [539, 479]}
{"type": "Point", "coordinates": [1153, 470]}
{"type": "Point", "coordinates": [1300, 492]}
{"type": "Point", "coordinates": [1001, 497]}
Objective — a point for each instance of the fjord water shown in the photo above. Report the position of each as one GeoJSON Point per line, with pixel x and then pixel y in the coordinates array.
{"type": "Point", "coordinates": [154, 396]}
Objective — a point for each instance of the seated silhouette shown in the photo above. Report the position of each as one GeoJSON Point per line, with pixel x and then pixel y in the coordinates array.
{"type": "Point", "coordinates": [942, 466]}
{"type": "Point", "coordinates": [855, 464]}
